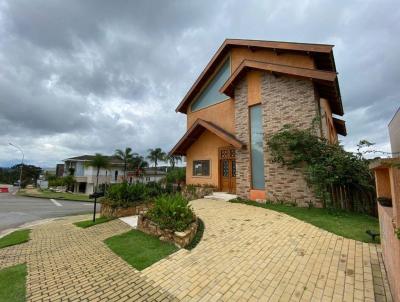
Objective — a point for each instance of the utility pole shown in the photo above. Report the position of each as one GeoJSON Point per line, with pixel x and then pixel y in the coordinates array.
{"type": "Point", "coordinates": [22, 163]}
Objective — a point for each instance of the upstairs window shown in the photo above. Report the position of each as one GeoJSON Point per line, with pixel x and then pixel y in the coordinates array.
{"type": "Point", "coordinates": [211, 95]}
{"type": "Point", "coordinates": [201, 168]}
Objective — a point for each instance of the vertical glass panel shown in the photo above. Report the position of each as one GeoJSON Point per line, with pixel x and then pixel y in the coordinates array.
{"type": "Point", "coordinates": [233, 168]}
{"type": "Point", "coordinates": [225, 168]}
{"type": "Point", "coordinates": [211, 95]}
{"type": "Point", "coordinates": [257, 154]}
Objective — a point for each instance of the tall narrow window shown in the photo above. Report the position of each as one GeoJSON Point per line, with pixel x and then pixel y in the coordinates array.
{"type": "Point", "coordinates": [257, 154]}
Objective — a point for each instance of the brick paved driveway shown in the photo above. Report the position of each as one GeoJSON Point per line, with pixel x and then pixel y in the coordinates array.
{"type": "Point", "coordinates": [247, 254]}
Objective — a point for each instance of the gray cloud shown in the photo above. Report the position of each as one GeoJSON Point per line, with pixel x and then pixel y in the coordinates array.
{"type": "Point", "coordinates": [92, 76]}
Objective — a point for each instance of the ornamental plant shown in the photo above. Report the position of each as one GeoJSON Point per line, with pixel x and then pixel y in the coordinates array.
{"type": "Point", "coordinates": [325, 167]}
{"type": "Point", "coordinates": [171, 212]}
{"type": "Point", "coordinates": [124, 195]}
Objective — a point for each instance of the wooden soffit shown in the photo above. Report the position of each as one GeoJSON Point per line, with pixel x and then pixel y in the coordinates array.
{"type": "Point", "coordinates": [325, 81]}
{"type": "Point", "coordinates": [340, 126]}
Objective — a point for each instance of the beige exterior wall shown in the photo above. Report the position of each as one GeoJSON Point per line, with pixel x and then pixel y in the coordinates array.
{"type": "Point", "coordinates": [394, 133]}
{"type": "Point", "coordinates": [221, 114]}
{"type": "Point", "coordinates": [328, 128]}
{"type": "Point", "coordinates": [205, 148]}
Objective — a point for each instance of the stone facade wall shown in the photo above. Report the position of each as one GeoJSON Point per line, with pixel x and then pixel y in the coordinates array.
{"type": "Point", "coordinates": [243, 176]}
{"type": "Point", "coordinates": [285, 100]}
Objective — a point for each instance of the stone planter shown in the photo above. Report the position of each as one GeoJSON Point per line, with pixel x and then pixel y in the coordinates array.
{"type": "Point", "coordinates": [180, 239]}
{"type": "Point", "coordinates": [192, 192]}
{"type": "Point", "coordinates": [109, 211]}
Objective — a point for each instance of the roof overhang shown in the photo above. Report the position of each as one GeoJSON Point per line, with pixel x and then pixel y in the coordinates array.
{"type": "Point", "coordinates": [340, 126]}
{"type": "Point", "coordinates": [325, 81]}
{"type": "Point", "coordinates": [198, 129]}
{"type": "Point", "coordinates": [321, 53]}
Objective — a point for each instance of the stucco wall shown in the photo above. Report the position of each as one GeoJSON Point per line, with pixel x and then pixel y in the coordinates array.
{"type": "Point", "coordinates": [328, 129]}
{"type": "Point", "coordinates": [205, 148]}
{"type": "Point", "coordinates": [391, 249]}
{"type": "Point", "coordinates": [394, 133]}
{"type": "Point", "coordinates": [221, 114]}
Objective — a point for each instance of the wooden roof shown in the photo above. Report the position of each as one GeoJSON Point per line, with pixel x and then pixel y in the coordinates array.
{"type": "Point", "coordinates": [340, 126]}
{"type": "Point", "coordinates": [196, 130]}
{"type": "Point", "coordinates": [322, 54]}
{"type": "Point", "coordinates": [325, 81]}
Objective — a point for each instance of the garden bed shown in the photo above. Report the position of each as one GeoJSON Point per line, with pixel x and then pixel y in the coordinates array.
{"type": "Point", "coordinates": [181, 239]}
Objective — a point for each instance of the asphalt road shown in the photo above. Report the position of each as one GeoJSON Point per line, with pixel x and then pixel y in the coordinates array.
{"type": "Point", "coordinates": [17, 210]}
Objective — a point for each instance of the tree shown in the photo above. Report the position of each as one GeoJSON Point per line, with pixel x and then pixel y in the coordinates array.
{"type": "Point", "coordinates": [126, 156]}
{"type": "Point", "coordinates": [174, 159]}
{"type": "Point", "coordinates": [99, 161]}
{"type": "Point", "coordinates": [156, 155]}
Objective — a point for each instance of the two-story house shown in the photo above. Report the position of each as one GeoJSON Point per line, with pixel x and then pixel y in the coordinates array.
{"type": "Point", "coordinates": [246, 93]}
{"type": "Point", "coordinates": [86, 176]}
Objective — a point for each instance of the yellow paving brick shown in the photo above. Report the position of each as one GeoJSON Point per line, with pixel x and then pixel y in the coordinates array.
{"type": "Point", "coordinates": [247, 254]}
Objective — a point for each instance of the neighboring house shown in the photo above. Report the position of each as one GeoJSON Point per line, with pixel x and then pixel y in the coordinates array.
{"type": "Point", "coordinates": [85, 175]}
{"type": "Point", "coordinates": [394, 133]}
{"type": "Point", "coordinates": [60, 170]}
{"type": "Point", "coordinates": [246, 93]}
{"type": "Point", "coordinates": [146, 175]}
{"type": "Point", "coordinates": [387, 180]}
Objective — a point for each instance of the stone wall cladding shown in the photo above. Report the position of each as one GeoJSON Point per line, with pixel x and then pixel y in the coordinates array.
{"type": "Point", "coordinates": [243, 176]}
{"type": "Point", "coordinates": [109, 211]}
{"type": "Point", "coordinates": [286, 100]}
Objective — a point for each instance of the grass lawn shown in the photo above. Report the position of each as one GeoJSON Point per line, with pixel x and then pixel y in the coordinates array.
{"type": "Point", "coordinates": [54, 195]}
{"type": "Point", "coordinates": [349, 225]}
{"type": "Point", "coordinates": [14, 238]}
{"type": "Point", "coordinates": [12, 283]}
{"type": "Point", "coordinates": [139, 249]}
{"type": "Point", "coordinates": [88, 223]}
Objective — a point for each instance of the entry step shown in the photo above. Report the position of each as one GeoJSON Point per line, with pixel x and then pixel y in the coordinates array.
{"type": "Point", "coordinates": [221, 196]}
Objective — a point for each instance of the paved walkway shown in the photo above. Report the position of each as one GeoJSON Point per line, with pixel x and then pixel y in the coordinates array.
{"type": "Point", "coordinates": [247, 254]}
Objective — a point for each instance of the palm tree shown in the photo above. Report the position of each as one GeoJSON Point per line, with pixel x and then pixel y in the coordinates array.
{"type": "Point", "coordinates": [174, 159]}
{"type": "Point", "coordinates": [156, 155]}
{"type": "Point", "coordinates": [99, 161]}
{"type": "Point", "coordinates": [138, 162]}
{"type": "Point", "coordinates": [126, 156]}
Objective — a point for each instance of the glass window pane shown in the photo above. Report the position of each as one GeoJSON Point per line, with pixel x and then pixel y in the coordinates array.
{"type": "Point", "coordinates": [211, 94]}
{"type": "Point", "coordinates": [257, 154]}
{"type": "Point", "coordinates": [201, 168]}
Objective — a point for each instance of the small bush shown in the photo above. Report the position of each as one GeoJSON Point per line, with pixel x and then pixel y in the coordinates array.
{"type": "Point", "coordinates": [176, 176]}
{"type": "Point", "coordinates": [123, 195]}
{"type": "Point", "coordinates": [171, 212]}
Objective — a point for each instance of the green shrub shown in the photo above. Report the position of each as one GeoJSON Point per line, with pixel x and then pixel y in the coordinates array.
{"type": "Point", "coordinates": [124, 195]}
{"type": "Point", "coordinates": [171, 212]}
{"type": "Point", "coordinates": [176, 176]}
{"type": "Point", "coordinates": [326, 166]}
{"type": "Point", "coordinates": [154, 189]}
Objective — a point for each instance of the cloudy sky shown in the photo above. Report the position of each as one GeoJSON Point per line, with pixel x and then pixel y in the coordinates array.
{"type": "Point", "coordinates": [78, 77]}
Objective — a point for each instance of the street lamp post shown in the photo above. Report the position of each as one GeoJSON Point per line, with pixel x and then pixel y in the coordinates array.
{"type": "Point", "coordinates": [22, 163]}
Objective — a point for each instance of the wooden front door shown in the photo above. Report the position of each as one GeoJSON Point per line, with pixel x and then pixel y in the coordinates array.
{"type": "Point", "coordinates": [227, 170]}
